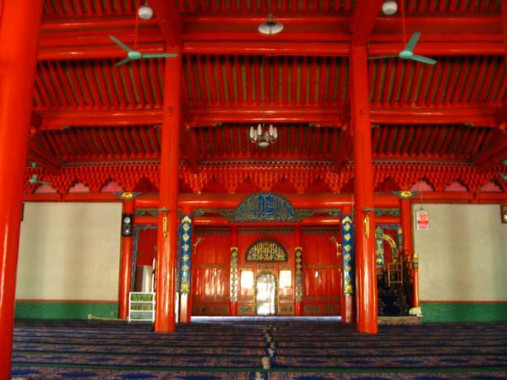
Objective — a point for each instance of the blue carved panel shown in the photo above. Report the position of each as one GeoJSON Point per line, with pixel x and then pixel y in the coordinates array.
{"type": "Point", "coordinates": [265, 207]}
{"type": "Point", "coordinates": [348, 255]}
{"type": "Point", "coordinates": [185, 238]}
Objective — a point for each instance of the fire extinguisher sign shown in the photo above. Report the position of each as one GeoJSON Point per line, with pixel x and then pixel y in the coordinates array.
{"type": "Point", "coordinates": [422, 219]}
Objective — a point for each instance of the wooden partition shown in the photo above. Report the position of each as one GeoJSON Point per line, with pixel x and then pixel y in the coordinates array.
{"type": "Point", "coordinates": [211, 279]}
{"type": "Point", "coordinates": [322, 272]}
{"type": "Point", "coordinates": [211, 272]}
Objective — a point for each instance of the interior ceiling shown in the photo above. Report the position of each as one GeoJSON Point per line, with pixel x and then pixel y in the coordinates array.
{"type": "Point", "coordinates": [88, 111]}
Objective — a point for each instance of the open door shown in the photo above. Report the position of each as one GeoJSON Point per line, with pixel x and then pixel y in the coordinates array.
{"type": "Point", "coordinates": [266, 294]}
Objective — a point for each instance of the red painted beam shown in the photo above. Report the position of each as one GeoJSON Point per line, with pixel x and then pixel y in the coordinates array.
{"type": "Point", "coordinates": [440, 47]}
{"type": "Point", "coordinates": [322, 116]}
{"type": "Point", "coordinates": [495, 154]}
{"type": "Point", "coordinates": [214, 221]}
{"type": "Point", "coordinates": [299, 201]}
{"type": "Point", "coordinates": [477, 116]}
{"type": "Point", "coordinates": [268, 48]}
{"type": "Point", "coordinates": [103, 50]}
{"type": "Point", "coordinates": [56, 120]}
{"type": "Point", "coordinates": [309, 201]}
{"type": "Point", "coordinates": [440, 25]}
{"type": "Point", "coordinates": [42, 157]}
{"type": "Point", "coordinates": [363, 20]}
{"type": "Point", "coordinates": [169, 20]}
{"type": "Point", "coordinates": [319, 34]}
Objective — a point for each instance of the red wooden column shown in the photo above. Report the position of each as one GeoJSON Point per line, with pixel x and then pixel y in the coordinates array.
{"type": "Point", "coordinates": [126, 258]}
{"type": "Point", "coordinates": [406, 223]}
{"type": "Point", "coordinates": [366, 278]}
{"type": "Point", "coordinates": [19, 36]}
{"type": "Point", "coordinates": [165, 320]}
{"type": "Point", "coordinates": [408, 242]}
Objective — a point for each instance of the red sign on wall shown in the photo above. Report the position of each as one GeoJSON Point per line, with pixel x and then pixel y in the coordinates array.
{"type": "Point", "coordinates": [422, 219]}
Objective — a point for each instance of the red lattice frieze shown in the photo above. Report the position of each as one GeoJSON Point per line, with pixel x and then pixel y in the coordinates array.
{"type": "Point", "coordinates": [294, 177]}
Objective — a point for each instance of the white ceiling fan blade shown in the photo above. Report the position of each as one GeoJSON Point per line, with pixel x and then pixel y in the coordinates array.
{"type": "Point", "coordinates": [423, 59]}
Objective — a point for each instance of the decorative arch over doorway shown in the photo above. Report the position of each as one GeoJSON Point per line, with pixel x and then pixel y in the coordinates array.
{"type": "Point", "coordinates": [265, 207]}
{"type": "Point", "coordinates": [266, 250]}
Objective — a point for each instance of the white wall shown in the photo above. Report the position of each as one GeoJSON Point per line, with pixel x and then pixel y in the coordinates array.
{"type": "Point", "coordinates": [463, 256]}
{"type": "Point", "coordinates": [69, 251]}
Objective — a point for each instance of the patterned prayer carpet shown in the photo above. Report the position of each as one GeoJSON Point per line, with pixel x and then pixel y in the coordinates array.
{"type": "Point", "coordinates": [275, 349]}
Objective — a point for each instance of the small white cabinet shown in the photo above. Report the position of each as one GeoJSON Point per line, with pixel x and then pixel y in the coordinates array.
{"type": "Point", "coordinates": [142, 306]}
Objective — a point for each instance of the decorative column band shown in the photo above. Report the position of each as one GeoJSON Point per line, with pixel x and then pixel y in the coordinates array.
{"type": "Point", "coordinates": [379, 248]}
{"type": "Point", "coordinates": [185, 252]}
{"type": "Point", "coordinates": [348, 255]}
{"type": "Point", "coordinates": [234, 274]}
{"type": "Point", "coordinates": [399, 237]}
{"type": "Point", "coordinates": [299, 274]}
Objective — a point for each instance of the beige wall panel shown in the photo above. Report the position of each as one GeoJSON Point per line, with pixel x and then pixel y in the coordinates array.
{"type": "Point", "coordinates": [69, 251]}
{"type": "Point", "coordinates": [463, 257]}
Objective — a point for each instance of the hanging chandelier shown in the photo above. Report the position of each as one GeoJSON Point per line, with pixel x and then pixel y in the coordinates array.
{"type": "Point", "coordinates": [263, 136]}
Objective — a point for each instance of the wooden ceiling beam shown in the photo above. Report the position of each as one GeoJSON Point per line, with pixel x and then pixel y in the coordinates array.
{"type": "Point", "coordinates": [363, 20]}
{"type": "Point", "coordinates": [317, 116]}
{"type": "Point", "coordinates": [56, 120]}
{"type": "Point", "coordinates": [169, 20]}
{"type": "Point", "coordinates": [88, 38]}
{"type": "Point", "coordinates": [495, 154]}
{"type": "Point", "coordinates": [209, 26]}
{"type": "Point", "coordinates": [472, 116]}
{"type": "Point", "coordinates": [105, 50]}
{"type": "Point", "coordinates": [36, 148]}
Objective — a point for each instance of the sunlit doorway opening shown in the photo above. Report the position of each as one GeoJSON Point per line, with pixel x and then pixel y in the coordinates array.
{"type": "Point", "coordinates": [266, 294]}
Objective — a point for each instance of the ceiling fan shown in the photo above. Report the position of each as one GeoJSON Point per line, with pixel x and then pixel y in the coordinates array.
{"type": "Point", "coordinates": [33, 180]}
{"type": "Point", "coordinates": [408, 52]}
{"type": "Point", "coordinates": [134, 55]}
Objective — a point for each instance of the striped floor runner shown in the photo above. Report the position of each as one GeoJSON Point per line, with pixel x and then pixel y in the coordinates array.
{"type": "Point", "coordinates": [258, 349]}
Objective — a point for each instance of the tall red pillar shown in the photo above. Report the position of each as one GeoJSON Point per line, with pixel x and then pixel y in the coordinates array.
{"type": "Point", "coordinates": [408, 242]}
{"type": "Point", "coordinates": [165, 272]}
{"type": "Point", "coordinates": [126, 258]}
{"type": "Point", "coordinates": [406, 224]}
{"type": "Point", "coordinates": [19, 36]}
{"type": "Point", "coordinates": [366, 278]}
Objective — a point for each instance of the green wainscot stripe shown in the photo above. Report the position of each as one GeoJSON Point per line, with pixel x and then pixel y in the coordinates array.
{"type": "Point", "coordinates": [65, 309]}
{"type": "Point", "coordinates": [463, 311]}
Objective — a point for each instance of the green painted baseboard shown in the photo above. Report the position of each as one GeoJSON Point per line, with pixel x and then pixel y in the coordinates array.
{"type": "Point", "coordinates": [464, 311]}
{"type": "Point", "coordinates": [65, 309]}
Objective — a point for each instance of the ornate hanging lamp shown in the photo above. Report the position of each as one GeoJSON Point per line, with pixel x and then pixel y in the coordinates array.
{"type": "Point", "coordinates": [263, 135]}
